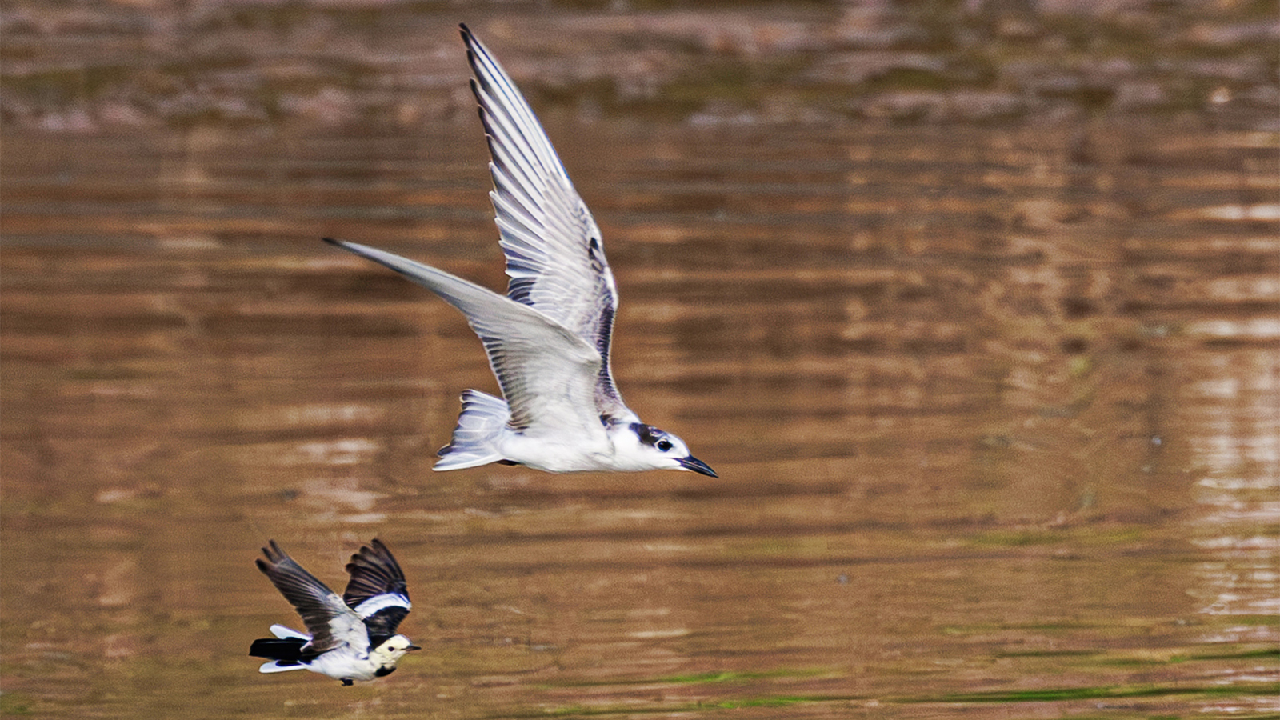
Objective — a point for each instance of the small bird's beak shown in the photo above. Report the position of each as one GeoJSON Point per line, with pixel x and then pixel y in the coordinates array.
{"type": "Point", "coordinates": [414, 647]}
{"type": "Point", "coordinates": [696, 465]}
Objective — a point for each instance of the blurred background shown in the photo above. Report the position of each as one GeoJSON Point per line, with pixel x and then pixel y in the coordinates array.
{"type": "Point", "coordinates": [973, 305]}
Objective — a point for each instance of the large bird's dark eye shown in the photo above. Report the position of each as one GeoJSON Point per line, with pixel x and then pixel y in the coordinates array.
{"type": "Point", "coordinates": [663, 445]}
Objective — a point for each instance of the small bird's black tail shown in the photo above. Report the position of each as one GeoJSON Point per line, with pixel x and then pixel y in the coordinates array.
{"type": "Point", "coordinates": [285, 651]}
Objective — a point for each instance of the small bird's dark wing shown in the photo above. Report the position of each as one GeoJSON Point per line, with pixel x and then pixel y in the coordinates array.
{"type": "Point", "coordinates": [328, 619]}
{"type": "Point", "coordinates": [377, 592]}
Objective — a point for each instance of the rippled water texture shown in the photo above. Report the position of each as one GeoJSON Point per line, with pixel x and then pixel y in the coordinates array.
{"type": "Point", "coordinates": [994, 407]}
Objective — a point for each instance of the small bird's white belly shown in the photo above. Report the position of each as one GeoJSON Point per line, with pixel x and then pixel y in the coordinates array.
{"type": "Point", "coordinates": [344, 665]}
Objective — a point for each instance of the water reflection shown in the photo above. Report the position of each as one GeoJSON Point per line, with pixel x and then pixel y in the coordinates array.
{"type": "Point", "coordinates": [991, 418]}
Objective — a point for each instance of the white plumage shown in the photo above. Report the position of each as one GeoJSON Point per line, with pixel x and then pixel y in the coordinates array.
{"type": "Point", "coordinates": [352, 637]}
{"type": "Point", "coordinates": [548, 338]}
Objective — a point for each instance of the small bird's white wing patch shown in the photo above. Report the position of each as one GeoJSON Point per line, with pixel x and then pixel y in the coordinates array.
{"type": "Point", "coordinates": [554, 250]}
{"type": "Point", "coordinates": [381, 602]}
{"type": "Point", "coordinates": [377, 591]}
{"type": "Point", "coordinates": [346, 627]}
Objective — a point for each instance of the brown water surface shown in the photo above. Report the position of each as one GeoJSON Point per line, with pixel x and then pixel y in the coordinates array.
{"type": "Point", "coordinates": [994, 408]}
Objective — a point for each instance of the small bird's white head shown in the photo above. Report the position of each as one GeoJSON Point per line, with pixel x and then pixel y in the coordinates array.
{"type": "Point", "coordinates": [644, 447]}
{"type": "Point", "coordinates": [389, 652]}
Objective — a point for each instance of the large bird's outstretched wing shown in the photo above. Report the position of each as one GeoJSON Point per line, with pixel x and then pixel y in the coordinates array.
{"type": "Point", "coordinates": [547, 373]}
{"type": "Point", "coordinates": [377, 591]}
{"type": "Point", "coordinates": [328, 619]}
{"type": "Point", "coordinates": [555, 256]}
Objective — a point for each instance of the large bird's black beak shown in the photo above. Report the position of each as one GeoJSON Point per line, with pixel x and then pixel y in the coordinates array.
{"type": "Point", "coordinates": [696, 465]}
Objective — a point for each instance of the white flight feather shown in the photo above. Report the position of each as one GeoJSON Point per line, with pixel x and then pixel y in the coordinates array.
{"type": "Point", "coordinates": [377, 603]}
{"type": "Point", "coordinates": [546, 229]}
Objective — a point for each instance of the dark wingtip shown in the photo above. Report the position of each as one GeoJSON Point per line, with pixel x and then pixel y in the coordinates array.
{"type": "Point", "coordinates": [332, 241]}
{"type": "Point", "coordinates": [274, 556]}
{"type": "Point", "coordinates": [469, 39]}
{"type": "Point", "coordinates": [376, 548]}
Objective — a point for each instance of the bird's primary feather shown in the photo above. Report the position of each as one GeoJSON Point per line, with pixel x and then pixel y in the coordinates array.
{"type": "Point", "coordinates": [328, 619]}
{"type": "Point", "coordinates": [377, 591]}
{"type": "Point", "coordinates": [553, 246]}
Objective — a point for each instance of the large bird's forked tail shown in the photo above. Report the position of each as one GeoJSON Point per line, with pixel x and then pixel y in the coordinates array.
{"type": "Point", "coordinates": [482, 421]}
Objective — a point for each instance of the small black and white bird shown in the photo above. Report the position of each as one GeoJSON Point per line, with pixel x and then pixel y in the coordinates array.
{"type": "Point", "coordinates": [548, 337]}
{"type": "Point", "coordinates": [352, 637]}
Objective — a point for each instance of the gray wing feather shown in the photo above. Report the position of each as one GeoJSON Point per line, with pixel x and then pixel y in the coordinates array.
{"type": "Point", "coordinates": [328, 619]}
{"type": "Point", "coordinates": [555, 256]}
{"type": "Point", "coordinates": [547, 372]}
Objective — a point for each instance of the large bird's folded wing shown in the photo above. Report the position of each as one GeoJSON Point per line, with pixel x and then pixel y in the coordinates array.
{"type": "Point", "coordinates": [547, 372]}
{"type": "Point", "coordinates": [377, 591]}
{"type": "Point", "coordinates": [328, 619]}
{"type": "Point", "coordinates": [555, 256]}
